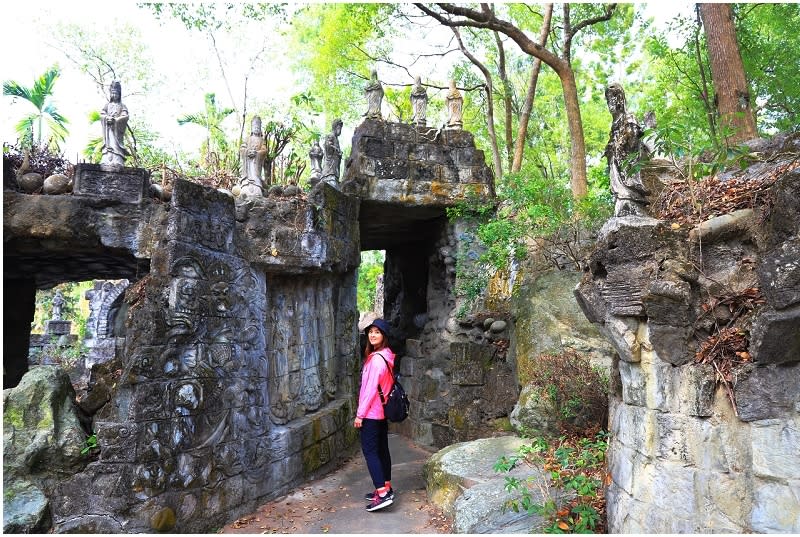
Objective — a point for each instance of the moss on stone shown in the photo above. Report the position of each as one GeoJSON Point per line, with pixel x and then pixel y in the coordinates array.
{"type": "Point", "coordinates": [163, 520]}
{"type": "Point", "coordinates": [456, 419]}
{"type": "Point", "coordinates": [503, 424]}
{"type": "Point", "coordinates": [13, 416]}
{"type": "Point", "coordinates": [311, 459]}
{"type": "Point", "coordinates": [443, 488]}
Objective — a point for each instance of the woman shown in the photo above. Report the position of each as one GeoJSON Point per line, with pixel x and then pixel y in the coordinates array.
{"type": "Point", "coordinates": [377, 372]}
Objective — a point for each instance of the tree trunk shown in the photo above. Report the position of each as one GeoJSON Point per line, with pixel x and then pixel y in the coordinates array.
{"type": "Point", "coordinates": [577, 162]}
{"type": "Point", "coordinates": [507, 98]}
{"type": "Point", "coordinates": [727, 73]}
{"type": "Point", "coordinates": [485, 19]}
{"type": "Point", "coordinates": [498, 163]}
{"type": "Point", "coordinates": [525, 114]}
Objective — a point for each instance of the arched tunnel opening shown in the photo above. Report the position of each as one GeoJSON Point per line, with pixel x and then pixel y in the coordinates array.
{"type": "Point", "coordinates": [413, 277]}
{"type": "Point", "coordinates": [30, 268]}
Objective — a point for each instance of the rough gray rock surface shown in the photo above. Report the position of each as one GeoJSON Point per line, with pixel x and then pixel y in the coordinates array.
{"type": "Point", "coordinates": [461, 480]}
{"type": "Point", "coordinates": [682, 459]}
{"type": "Point", "coordinates": [42, 443]}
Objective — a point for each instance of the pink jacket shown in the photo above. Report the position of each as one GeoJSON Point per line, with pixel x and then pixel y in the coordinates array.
{"type": "Point", "coordinates": [375, 370]}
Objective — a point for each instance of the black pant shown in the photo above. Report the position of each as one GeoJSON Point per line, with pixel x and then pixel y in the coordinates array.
{"type": "Point", "coordinates": [375, 446]}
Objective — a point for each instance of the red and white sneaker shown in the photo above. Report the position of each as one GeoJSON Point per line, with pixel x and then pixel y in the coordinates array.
{"type": "Point", "coordinates": [379, 502]}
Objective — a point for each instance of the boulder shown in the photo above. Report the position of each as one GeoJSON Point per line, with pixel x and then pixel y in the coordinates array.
{"type": "Point", "coordinates": [41, 429]}
{"type": "Point", "coordinates": [25, 508]}
{"type": "Point", "coordinates": [57, 184]}
{"type": "Point", "coordinates": [31, 182]}
{"type": "Point", "coordinates": [461, 480]}
{"type": "Point", "coordinates": [534, 412]}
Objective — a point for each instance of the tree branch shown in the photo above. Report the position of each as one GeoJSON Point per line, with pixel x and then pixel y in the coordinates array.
{"type": "Point", "coordinates": [498, 164]}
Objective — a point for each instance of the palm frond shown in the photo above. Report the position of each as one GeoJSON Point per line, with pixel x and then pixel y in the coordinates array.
{"type": "Point", "coordinates": [197, 119]}
{"type": "Point", "coordinates": [14, 89]}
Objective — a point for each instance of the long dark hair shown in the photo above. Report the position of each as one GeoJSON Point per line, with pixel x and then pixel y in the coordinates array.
{"type": "Point", "coordinates": [370, 349]}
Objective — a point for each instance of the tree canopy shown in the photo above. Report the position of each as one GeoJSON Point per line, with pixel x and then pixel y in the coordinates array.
{"type": "Point", "coordinates": [533, 79]}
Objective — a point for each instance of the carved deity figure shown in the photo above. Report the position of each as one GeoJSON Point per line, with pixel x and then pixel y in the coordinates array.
{"type": "Point", "coordinates": [374, 93]}
{"type": "Point", "coordinates": [624, 153]}
{"type": "Point", "coordinates": [58, 306]}
{"type": "Point", "coordinates": [253, 154]}
{"type": "Point", "coordinates": [316, 155]}
{"type": "Point", "coordinates": [114, 118]}
{"type": "Point", "coordinates": [455, 105]}
{"type": "Point", "coordinates": [419, 103]}
{"type": "Point", "coordinates": [333, 155]}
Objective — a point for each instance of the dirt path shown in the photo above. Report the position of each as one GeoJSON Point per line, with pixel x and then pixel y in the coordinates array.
{"type": "Point", "coordinates": [335, 504]}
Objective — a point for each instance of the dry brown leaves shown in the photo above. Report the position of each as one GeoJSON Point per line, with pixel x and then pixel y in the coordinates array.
{"type": "Point", "coordinates": [726, 350]}
{"type": "Point", "coordinates": [691, 203]}
{"type": "Point", "coordinates": [735, 303]}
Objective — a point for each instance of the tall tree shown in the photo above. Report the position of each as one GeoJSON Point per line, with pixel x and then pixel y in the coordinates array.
{"type": "Point", "coordinates": [525, 114]}
{"type": "Point", "coordinates": [768, 41]}
{"type": "Point", "coordinates": [40, 95]}
{"type": "Point", "coordinates": [727, 73]}
{"type": "Point", "coordinates": [457, 16]}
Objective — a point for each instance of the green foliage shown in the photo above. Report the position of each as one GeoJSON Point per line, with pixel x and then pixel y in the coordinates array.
{"type": "Point", "coordinates": [216, 151]}
{"type": "Point", "coordinates": [214, 16]}
{"type": "Point", "coordinates": [104, 56]}
{"type": "Point", "coordinates": [89, 444]}
{"type": "Point", "coordinates": [769, 41]}
{"type": "Point", "coordinates": [577, 389]}
{"type": "Point", "coordinates": [574, 464]}
{"type": "Point", "coordinates": [31, 127]}
{"type": "Point", "coordinates": [369, 270]}
{"type": "Point", "coordinates": [679, 86]}
{"type": "Point", "coordinates": [335, 45]}
{"type": "Point", "coordinates": [75, 308]}
{"type": "Point", "coordinates": [66, 355]}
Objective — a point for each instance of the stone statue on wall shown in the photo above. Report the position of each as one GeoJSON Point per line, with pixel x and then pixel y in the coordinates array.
{"type": "Point", "coordinates": [419, 103]}
{"type": "Point", "coordinates": [253, 154]}
{"type": "Point", "coordinates": [58, 306]}
{"type": "Point", "coordinates": [114, 118]}
{"type": "Point", "coordinates": [374, 93]}
{"type": "Point", "coordinates": [455, 105]}
{"type": "Point", "coordinates": [333, 155]}
{"type": "Point", "coordinates": [316, 155]}
{"type": "Point", "coordinates": [624, 153]}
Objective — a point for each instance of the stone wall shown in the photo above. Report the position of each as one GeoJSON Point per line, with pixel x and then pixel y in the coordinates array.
{"type": "Point", "coordinates": [234, 376]}
{"type": "Point", "coordinates": [461, 377]}
{"type": "Point", "coordinates": [456, 371]}
{"type": "Point", "coordinates": [237, 371]}
{"type": "Point", "coordinates": [706, 447]}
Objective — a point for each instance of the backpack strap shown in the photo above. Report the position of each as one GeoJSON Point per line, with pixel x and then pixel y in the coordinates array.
{"type": "Point", "coordinates": [391, 372]}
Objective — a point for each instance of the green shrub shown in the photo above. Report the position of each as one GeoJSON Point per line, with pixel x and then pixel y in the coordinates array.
{"type": "Point", "coordinates": [577, 389]}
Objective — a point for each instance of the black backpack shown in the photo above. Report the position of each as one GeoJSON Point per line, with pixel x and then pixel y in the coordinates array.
{"type": "Point", "coordinates": [395, 407]}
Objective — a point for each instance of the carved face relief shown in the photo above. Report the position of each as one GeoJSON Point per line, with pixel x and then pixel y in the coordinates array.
{"type": "Point", "coordinates": [187, 397]}
{"type": "Point", "coordinates": [219, 296]}
{"type": "Point", "coordinates": [185, 296]}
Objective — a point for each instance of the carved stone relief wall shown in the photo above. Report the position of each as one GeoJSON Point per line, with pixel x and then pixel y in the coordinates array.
{"type": "Point", "coordinates": [234, 382]}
